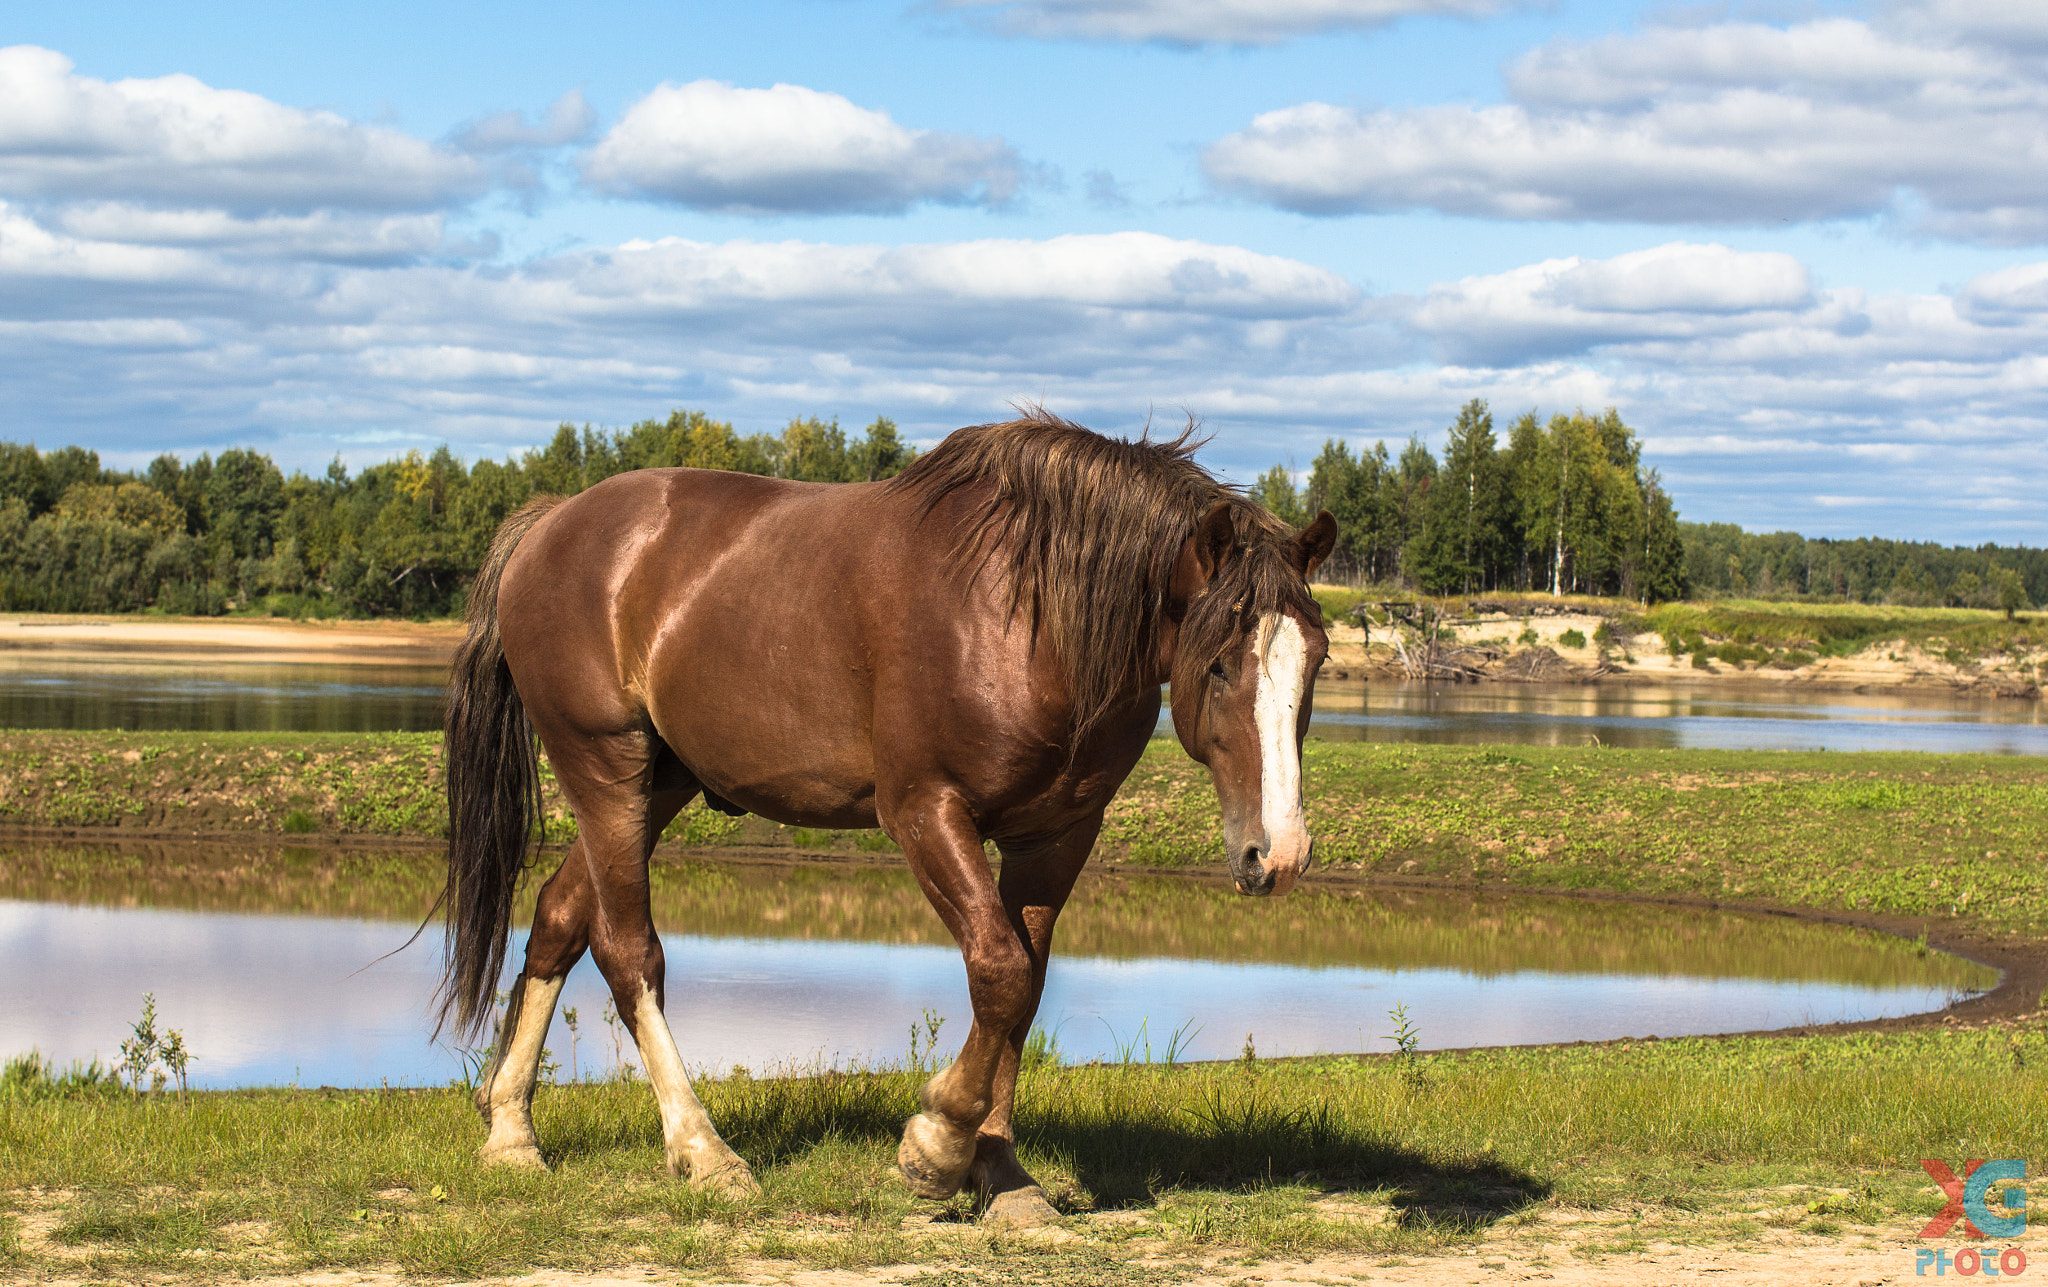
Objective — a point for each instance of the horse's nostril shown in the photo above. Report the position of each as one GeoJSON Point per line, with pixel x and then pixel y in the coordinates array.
{"type": "Point", "coordinates": [1254, 858]}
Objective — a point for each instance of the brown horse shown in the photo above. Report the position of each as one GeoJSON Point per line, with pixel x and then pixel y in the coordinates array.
{"type": "Point", "coordinates": [970, 651]}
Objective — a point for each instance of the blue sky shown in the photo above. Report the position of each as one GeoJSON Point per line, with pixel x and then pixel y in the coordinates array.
{"type": "Point", "coordinates": [1799, 246]}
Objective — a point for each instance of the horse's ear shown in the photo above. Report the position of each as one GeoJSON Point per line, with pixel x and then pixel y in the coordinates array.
{"type": "Point", "coordinates": [1313, 544]}
{"type": "Point", "coordinates": [1200, 556]}
{"type": "Point", "coordinates": [1214, 536]}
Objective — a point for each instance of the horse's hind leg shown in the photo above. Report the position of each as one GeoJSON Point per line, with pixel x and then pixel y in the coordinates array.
{"type": "Point", "coordinates": [620, 811]}
{"type": "Point", "coordinates": [561, 932]}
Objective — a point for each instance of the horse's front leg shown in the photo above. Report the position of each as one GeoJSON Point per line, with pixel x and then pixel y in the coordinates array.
{"type": "Point", "coordinates": [1035, 882]}
{"type": "Point", "coordinates": [944, 849]}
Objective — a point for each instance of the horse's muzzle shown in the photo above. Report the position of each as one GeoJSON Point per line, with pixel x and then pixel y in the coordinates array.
{"type": "Point", "coordinates": [1260, 874]}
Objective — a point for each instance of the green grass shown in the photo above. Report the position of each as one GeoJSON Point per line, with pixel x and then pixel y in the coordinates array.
{"type": "Point", "coordinates": [1905, 834]}
{"type": "Point", "coordinates": [1952, 836]}
{"type": "Point", "coordinates": [1842, 629]}
{"type": "Point", "coordinates": [1382, 1156]}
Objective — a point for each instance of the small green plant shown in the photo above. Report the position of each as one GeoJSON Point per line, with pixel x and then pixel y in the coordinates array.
{"type": "Point", "coordinates": [1250, 1054]}
{"type": "Point", "coordinates": [621, 1069]}
{"type": "Point", "coordinates": [924, 1046]}
{"type": "Point", "coordinates": [1602, 635]}
{"type": "Point", "coordinates": [300, 823]}
{"type": "Point", "coordinates": [1701, 661]}
{"type": "Point", "coordinates": [1572, 638]}
{"type": "Point", "coordinates": [569, 1022]}
{"type": "Point", "coordinates": [1409, 1041]}
{"type": "Point", "coordinates": [1528, 636]}
{"type": "Point", "coordinates": [145, 1050]}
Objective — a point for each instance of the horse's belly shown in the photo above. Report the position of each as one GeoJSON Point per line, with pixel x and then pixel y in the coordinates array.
{"type": "Point", "coordinates": [805, 764]}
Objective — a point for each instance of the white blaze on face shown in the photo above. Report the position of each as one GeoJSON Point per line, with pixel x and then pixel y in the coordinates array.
{"type": "Point", "coordinates": [1276, 705]}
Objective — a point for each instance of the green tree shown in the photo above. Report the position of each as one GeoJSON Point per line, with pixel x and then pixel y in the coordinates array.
{"type": "Point", "coordinates": [1275, 490]}
{"type": "Point", "coordinates": [881, 453]}
{"type": "Point", "coordinates": [2009, 591]}
{"type": "Point", "coordinates": [814, 451]}
{"type": "Point", "coordinates": [1663, 577]}
{"type": "Point", "coordinates": [1459, 542]}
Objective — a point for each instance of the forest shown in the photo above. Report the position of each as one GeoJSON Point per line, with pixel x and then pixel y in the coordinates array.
{"type": "Point", "coordinates": [232, 533]}
{"type": "Point", "coordinates": [1566, 505]}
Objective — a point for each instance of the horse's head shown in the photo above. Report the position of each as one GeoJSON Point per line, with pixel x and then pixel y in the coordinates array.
{"type": "Point", "coordinates": [1245, 654]}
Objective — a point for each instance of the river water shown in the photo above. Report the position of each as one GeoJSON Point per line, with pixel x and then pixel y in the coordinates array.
{"type": "Point", "coordinates": [38, 693]}
{"type": "Point", "coordinates": [273, 964]}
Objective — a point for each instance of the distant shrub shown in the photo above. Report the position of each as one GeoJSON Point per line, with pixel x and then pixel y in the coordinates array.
{"type": "Point", "coordinates": [1700, 661]}
{"type": "Point", "coordinates": [1528, 636]}
{"type": "Point", "coordinates": [300, 823]}
{"type": "Point", "coordinates": [1602, 635]}
{"type": "Point", "coordinates": [1572, 639]}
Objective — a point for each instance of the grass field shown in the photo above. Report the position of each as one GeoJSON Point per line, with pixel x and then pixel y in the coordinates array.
{"type": "Point", "coordinates": [1583, 1152]}
{"type": "Point", "coordinates": [1904, 834]}
{"type": "Point", "coordinates": [1728, 1140]}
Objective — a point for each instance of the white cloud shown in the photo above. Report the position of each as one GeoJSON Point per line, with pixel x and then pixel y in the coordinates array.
{"type": "Point", "coordinates": [1561, 306]}
{"type": "Point", "coordinates": [2007, 297]}
{"type": "Point", "coordinates": [325, 235]}
{"type": "Point", "coordinates": [1137, 271]}
{"type": "Point", "coordinates": [175, 140]}
{"type": "Point", "coordinates": [1755, 388]}
{"type": "Point", "coordinates": [714, 146]}
{"type": "Point", "coordinates": [1737, 123]}
{"type": "Point", "coordinates": [1201, 22]}
{"type": "Point", "coordinates": [569, 119]}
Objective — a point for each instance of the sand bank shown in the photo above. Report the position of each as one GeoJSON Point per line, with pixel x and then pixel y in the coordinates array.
{"type": "Point", "coordinates": [228, 639]}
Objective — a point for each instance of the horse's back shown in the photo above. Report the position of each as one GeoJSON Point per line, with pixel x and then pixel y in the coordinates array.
{"type": "Point", "coordinates": [730, 612]}
{"type": "Point", "coordinates": [782, 637]}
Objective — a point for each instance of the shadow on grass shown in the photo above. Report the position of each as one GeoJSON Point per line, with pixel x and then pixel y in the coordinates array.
{"type": "Point", "coordinates": [1127, 1162]}
{"type": "Point", "coordinates": [1124, 1135]}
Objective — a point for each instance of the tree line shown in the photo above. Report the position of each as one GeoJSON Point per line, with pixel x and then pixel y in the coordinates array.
{"type": "Point", "coordinates": [1566, 506]}
{"type": "Point", "coordinates": [402, 538]}
{"type": "Point", "coordinates": [1722, 559]}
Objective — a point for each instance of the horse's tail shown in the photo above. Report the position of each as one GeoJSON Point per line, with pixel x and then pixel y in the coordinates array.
{"type": "Point", "coordinates": [493, 776]}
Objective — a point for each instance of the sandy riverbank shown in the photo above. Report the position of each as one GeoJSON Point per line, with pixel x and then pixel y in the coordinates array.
{"type": "Point", "coordinates": [229, 639]}
{"type": "Point", "coordinates": [1497, 642]}
{"type": "Point", "coordinates": [1497, 645]}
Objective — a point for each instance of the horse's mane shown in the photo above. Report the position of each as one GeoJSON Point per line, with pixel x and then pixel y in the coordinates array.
{"type": "Point", "coordinates": [1090, 528]}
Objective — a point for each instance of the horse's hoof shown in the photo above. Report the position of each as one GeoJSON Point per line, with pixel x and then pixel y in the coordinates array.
{"type": "Point", "coordinates": [1024, 1208]}
{"type": "Point", "coordinates": [524, 1156]}
{"type": "Point", "coordinates": [735, 1179]}
{"type": "Point", "coordinates": [934, 1157]}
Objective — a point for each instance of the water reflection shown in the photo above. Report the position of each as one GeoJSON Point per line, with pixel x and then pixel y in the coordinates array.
{"type": "Point", "coordinates": [788, 964]}
{"type": "Point", "coordinates": [1661, 717]}
{"type": "Point", "coordinates": [217, 696]}
{"type": "Point", "coordinates": [39, 692]}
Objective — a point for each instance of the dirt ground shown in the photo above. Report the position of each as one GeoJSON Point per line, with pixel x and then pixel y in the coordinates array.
{"type": "Point", "coordinates": [1855, 1261]}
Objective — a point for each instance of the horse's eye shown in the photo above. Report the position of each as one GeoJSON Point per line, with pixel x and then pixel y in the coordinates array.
{"type": "Point", "coordinates": [1216, 669]}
